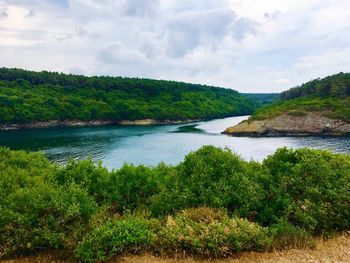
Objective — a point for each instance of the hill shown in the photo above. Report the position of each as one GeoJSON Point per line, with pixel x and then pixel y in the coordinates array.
{"type": "Point", "coordinates": [29, 97]}
{"type": "Point", "coordinates": [320, 106]}
{"type": "Point", "coordinates": [262, 98]}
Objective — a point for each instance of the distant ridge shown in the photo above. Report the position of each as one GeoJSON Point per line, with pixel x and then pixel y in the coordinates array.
{"type": "Point", "coordinates": [29, 97]}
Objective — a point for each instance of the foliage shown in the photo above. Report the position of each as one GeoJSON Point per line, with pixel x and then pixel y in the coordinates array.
{"type": "Point", "coordinates": [114, 238]}
{"type": "Point", "coordinates": [336, 108]}
{"type": "Point", "coordinates": [262, 98]}
{"type": "Point", "coordinates": [211, 177]}
{"type": "Point", "coordinates": [285, 235]}
{"type": "Point", "coordinates": [210, 235]}
{"type": "Point", "coordinates": [337, 85]}
{"type": "Point", "coordinates": [309, 189]}
{"type": "Point", "coordinates": [212, 204]}
{"type": "Point", "coordinates": [329, 96]}
{"type": "Point", "coordinates": [36, 213]}
{"type": "Point", "coordinates": [27, 96]}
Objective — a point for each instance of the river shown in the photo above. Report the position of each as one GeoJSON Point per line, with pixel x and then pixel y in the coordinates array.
{"type": "Point", "coordinates": [149, 145]}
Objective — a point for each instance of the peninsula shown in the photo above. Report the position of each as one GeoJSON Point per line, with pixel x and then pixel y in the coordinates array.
{"type": "Point", "coordinates": [318, 107]}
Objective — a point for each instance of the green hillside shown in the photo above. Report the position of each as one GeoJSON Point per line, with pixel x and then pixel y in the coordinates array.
{"type": "Point", "coordinates": [27, 96]}
{"type": "Point", "coordinates": [330, 95]}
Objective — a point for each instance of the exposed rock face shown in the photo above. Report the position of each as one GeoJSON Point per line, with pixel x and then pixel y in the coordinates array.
{"type": "Point", "coordinates": [313, 123]}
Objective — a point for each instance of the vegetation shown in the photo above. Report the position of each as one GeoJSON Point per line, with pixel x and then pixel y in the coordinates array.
{"type": "Point", "coordinates": [330, 95]}
{"type": "Point", "coordinates": [27, 96]}
{"type": "Point", "coordinates": [336, 108]}
{"type": "Point", "coordinates": [337, 85]}
{"type": "Point", "coordinates": [212, 204]}
{"type": "Point", "coordinates": [262, 98]}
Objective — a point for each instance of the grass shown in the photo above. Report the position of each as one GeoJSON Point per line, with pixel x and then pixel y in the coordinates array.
{"type": "Point", "coordinates": [336, 249]}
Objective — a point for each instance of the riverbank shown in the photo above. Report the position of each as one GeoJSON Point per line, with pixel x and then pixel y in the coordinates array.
{"type": "Point", "coordinates": [332, 250]}
{"type": "Point", "coordinates": [79, 123]}
{"type": "Point", "coordinates": [306, 124]}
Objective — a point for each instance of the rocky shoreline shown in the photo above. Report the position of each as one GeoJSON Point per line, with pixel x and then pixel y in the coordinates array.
{"type": "Point", "coordinates": [313, 123]}
{"type": "Point", "coordinates": [78, 123]}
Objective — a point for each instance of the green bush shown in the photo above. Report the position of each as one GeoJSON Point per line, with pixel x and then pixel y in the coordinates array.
{"type": "Point", "coordinates": [212, 204]}
{"type": "Point", "coordinates": [36, 213]}
{"type": "Point", "coordinates": [309, 189]}
{"type": "Point", "coordinates": [210, 236]}
{"type": "Point", "coordinates": [211, 177]}
{"type": "Point", "coordinates": [133, 186]}
{"type": "Point", "coordinates": [286, 235]}
{"type": "Point", "coordinates": [86, 174]}
{"type": "Point", "coordinates": [115, 237]}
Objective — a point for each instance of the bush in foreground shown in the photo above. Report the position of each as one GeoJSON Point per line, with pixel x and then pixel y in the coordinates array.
{"type": "Point", "coordinates": [212, 204]}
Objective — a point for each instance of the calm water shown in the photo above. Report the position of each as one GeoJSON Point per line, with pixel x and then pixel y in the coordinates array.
{"type": "Point", "coordinates": [153, 144]}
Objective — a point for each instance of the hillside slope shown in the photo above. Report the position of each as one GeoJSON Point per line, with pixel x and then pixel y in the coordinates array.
{"type": "Point", "coordinates": [318, 107]}
{"type": "Point", "coordinates": [27, 97]}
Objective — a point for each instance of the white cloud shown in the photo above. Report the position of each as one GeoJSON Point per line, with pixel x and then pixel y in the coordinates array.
{"type": "Point", "coordinates": [251, 46]}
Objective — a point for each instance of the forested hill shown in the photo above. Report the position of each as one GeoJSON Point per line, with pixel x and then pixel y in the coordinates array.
{"type": "Point", "coordinates": [337, 85]}
{"type": "Point", "coordinates": [27, 96]}
{"type": "Point", "coordinates": [330, 95]}
{"type": "Point", "coordinates": [318, 107]}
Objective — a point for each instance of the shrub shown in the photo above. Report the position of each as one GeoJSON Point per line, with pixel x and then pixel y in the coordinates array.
{"type": "Point", "coordinates": [87, 175]}
{"type": "Point", "coordinates": [285, 236]}
{"type": "Point", "coordinates": [36, 213]}
{"type": "Point", "coordinates": [190, 232]}
{"type": "Point", "coordinates": [211, 177]}
{"type": "Point", "coordinates": [307, 188]}
{"type": "Point", "coordinates": [115, 237]}
{"type": "Point", "coordinates": [204, 214]}
{"type": "Point", "coordinates": [213, 204]}
{"type": "Point", "coordinates": [133, 186]}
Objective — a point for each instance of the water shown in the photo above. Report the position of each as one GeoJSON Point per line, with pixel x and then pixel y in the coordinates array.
{"type": "Point", "coordinates": [150, 145]}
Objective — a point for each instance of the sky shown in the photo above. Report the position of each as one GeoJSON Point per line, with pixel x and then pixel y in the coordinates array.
{"type": "Point", "coordinates": [247, 45]}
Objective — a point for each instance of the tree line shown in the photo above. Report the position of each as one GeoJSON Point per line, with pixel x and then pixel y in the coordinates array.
{"type": "Point", "coordinates": [28, 96]}
{"type": "Point", "coordinates": [337, 85]}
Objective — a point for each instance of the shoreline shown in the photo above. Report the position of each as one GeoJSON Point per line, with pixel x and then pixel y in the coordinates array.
{"type": "Point", "coordinates": [93, 123]}
{"type": "Point", "coordinates": [285, 125]}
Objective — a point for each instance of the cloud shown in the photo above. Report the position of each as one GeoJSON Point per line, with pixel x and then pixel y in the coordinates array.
{"type": "Point", "coordinates": [3, 12]}
{"type": "Point", "coordinates": [31, 13]}
{"type": "Point", "coordinates": [116, 53]}
{"type": "Point", "coordinates": [189, 30]}
{"type": "Point", "coordinates": [141, 7]}
{"type": "Point", "coordinates": [248, 45]}
{"type": "Point", "coordinates": [244, 26]}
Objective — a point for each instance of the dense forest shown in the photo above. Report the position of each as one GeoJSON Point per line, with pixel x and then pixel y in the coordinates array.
{"type": "Point", "coordinates": [330, 95]}
{"type": "Point", "coordinates": [212, 204]}
{"type": "Point", "coordinates": [337, 85]}
{"type": "Point", "coordinates": [27, 96]}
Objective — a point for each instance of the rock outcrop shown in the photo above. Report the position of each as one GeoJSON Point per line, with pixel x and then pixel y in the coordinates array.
{"type": "Point", "coordinates": [313, 123]}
